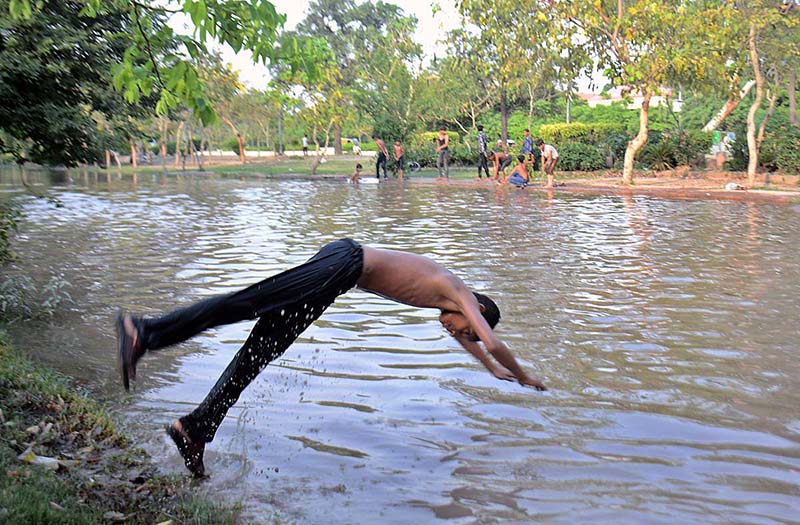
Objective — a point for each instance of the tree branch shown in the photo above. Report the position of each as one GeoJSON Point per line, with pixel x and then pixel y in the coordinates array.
{"type": "Point", "coordinates": [147, 44]}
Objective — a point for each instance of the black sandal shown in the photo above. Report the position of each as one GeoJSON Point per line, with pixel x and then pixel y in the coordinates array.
{"type": "Point", "coordinates": [128, 351]}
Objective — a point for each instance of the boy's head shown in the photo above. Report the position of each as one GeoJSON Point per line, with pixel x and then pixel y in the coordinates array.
{"type": "Point", "coordinates": [480, 128]}
{"type": "Point", "coordinates": [520, 158]}
{"type": "Point", "coordinates": [358, 166]}
{"type": "Point", "coordinates": [489, 309]}
{"type": "Point", "coordinates": [397, 142]}
{"type": "Point", "coordinates": [442, 129]}
{"type": "Point", "coordinates": [374, 137]}
{"type": "Point", "coordinates": [459, 326]}
{"type": "Point", "coordinates": [539, 143]}
{"type": "Point", "coordinates": [490, 154]}
{"type": "Point", "coordinates": [526, 132]}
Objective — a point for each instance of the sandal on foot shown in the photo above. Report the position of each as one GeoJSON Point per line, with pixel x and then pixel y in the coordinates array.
{"type": "Point", "coordinates": [191, 452]}
{"type": "Point", "coordinates": [129, 350]}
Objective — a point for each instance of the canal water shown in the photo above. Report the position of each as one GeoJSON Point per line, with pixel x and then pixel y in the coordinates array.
{"type": "Point", "coordinates": [667, 331]}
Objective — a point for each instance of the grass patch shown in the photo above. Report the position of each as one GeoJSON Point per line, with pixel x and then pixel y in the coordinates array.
{"type": "Point", "coordinates": [333, 167]}
{"type": "Point", "coordinates": [99, 478]}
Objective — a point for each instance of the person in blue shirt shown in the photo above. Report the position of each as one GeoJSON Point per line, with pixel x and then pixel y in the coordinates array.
{"type": "Point", "coordinates": [527, 144]}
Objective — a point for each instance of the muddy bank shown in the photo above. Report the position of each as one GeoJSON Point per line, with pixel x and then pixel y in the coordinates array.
{"type": "Point", "coordinates": [63, 460]}
{"type": "Point", "coordinates": [670, 184]}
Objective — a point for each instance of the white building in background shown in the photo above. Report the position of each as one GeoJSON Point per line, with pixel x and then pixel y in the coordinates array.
{"type": "Point", "coordinates": [616, 95]}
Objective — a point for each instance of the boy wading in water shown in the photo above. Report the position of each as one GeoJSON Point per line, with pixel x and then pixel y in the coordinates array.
{"type": "Point", "coordinates": [287, 303]}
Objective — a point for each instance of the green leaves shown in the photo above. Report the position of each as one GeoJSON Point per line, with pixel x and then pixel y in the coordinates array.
{"type": "Point", "coordinates": [20, 9]}
{"type": "Point", "coordinates": [158, 61]}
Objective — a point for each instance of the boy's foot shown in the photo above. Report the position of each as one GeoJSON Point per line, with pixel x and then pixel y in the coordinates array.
{"type": "Point", "coordinates": [129, 348]}
{"type": "Point", "coordinates": [191, 452]}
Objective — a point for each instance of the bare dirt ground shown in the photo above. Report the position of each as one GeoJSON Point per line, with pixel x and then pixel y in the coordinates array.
{"type": "Point", "coordinates": [678, 183]}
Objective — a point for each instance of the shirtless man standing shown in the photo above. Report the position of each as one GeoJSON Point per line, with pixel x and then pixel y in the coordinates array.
{"type": "Point", "coordinates": [382, 158]}
{"type": "Point", "coordinates": [287, 303]}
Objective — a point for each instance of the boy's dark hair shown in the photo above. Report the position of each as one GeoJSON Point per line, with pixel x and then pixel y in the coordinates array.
{"type": "Point", "coordinates": [480, 128]}
{"type": "Point", "coordinates": [539, 142]}
{"type": "Point", "coordinates": [374, 137]}
{"type": "Point", "coordinates": [490, 154]}
{"type": "Point", "coordinates": [521, 158]}
{"type": "Point", "coordinates": [359, 166]}
{"type": "Point", "coordinates": [442, 128]}
{"type": "Point", "coordinates": [526, 129]}
{"type": "Point", "coordinates": [490, 310]}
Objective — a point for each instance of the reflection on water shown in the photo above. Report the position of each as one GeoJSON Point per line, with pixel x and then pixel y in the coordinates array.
{"type": "Point", "coordinates": [667, 331]}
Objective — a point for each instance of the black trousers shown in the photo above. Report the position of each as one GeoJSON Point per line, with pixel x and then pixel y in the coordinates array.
{"type": "Point", "coordinates": [284, 304]}
{"type": "Point", "coordinates": [380, 162]}
{"type": "Point", "coordinates": [483, 163]}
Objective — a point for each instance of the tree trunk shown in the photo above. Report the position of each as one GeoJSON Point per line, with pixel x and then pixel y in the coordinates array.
{"type": "Point", "coordinates": [178, 147]}
{"type": "Point", "coordinates": [337, 140]}
{"type": "Point", "coordinates": [238, 139]}
{"type": "Point", "coordinates": [317, 157]}
{"type": "Point", "coordinates": [164, 125]}
{"type": "Point", "coordinates": [772, 96]}
{"type": "Point", "coordinates": [638, 141]}
{"type": "Point", "coordinates": [280, 131]}
{"type": "Point", "coordinates": [793, 97]}
{"type": "Point", "coordinates": [503, 116]}
{"type": "Point", "coordinates": [108, 159]}
{"type": "Point", "coordinates": [190, 141]}
{"type": "Point", "coordinates": [202, 145]}
{"type": "Point", "coordinates": [752, 145]}
{"type": "Point", "coordinates": [530, 105]}
{"type": "Point", "coordinates": [728, 108]}
{"type": "Point", "coordinates": [134, 162]}
{"type": "Point", "coordinates": [569, 107]}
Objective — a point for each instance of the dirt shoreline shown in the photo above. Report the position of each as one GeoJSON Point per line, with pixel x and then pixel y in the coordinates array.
{"type": "Point", "coordinates": [703, 186]}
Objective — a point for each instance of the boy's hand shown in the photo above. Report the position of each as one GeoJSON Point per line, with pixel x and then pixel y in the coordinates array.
{"type": "Point", "coordinates": [532, 381]}
{"type": "Point", "coordinates": [503, 373]}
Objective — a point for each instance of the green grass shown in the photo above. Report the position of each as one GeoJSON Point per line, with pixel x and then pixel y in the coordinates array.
{"type": "Point", "coordinates": [332, 167]}
{"type": "Point", "coordinates": [36, 397]}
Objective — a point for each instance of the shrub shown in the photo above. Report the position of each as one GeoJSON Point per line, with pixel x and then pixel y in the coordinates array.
{"type": "Point", "coordinates": [421, 147]}
{"type": "Point", "coordinates": [574, 156]}
{"type": "Point", "coordinates": [784, 146]}
{"type": "Point", "coordinates": [9, 215]}
{"type": "Point", "coordinates": [676, 148]}
{"type": "Point", "coordinates": [614, 147]}
{"type": "Point", "coordinates": [22, 298]}
{"type": "Point", "coordinates": [593, 133]}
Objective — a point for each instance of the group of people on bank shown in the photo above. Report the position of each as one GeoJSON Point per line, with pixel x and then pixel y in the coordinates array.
{"type": "Point", "coordinates": [499, 156]}
{"type": "Point", "coordinates": [501, 159]}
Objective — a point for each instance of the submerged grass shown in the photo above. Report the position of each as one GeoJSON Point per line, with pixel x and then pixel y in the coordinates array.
{"type": "Point", "coordinates": [98, 476]}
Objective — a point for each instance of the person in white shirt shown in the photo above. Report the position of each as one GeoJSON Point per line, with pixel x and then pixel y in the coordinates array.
{"type": "Point", "coordinates": [549, 161]}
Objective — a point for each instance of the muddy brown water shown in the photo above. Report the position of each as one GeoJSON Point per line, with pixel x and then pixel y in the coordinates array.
{"type": "Point", "coordinates": [667, 331]}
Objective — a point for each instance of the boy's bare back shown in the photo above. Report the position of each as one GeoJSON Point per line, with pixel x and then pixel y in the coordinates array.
{"type": "Point", "coordinates": [410, 279]}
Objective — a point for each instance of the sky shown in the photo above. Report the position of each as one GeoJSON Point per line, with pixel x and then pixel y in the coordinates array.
{"type": "Point", "coordinates": [430, 29]}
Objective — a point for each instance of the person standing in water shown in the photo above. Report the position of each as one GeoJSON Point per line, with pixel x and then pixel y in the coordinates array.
{"type": "Point", "coordinates": [383, 156]}
{"type": "Point", "coordinates": [443, 152]}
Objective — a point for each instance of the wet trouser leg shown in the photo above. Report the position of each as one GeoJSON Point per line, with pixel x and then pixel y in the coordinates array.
{"type": "Point", "coordinates": [286, 304]}
{"type": "Point", "coordinates": [335, 268]}
{"type": "Point", "coordinates": [269, 339]}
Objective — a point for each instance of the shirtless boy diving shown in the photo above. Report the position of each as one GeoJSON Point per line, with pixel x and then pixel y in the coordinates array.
{"type": "Point", "coordinates": [287, 303]}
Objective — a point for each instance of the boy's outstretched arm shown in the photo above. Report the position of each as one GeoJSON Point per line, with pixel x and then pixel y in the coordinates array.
{"type": "Point", "coordinates": [481, 355]}
{"type": "Point", "coordinates": [471, 310]}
